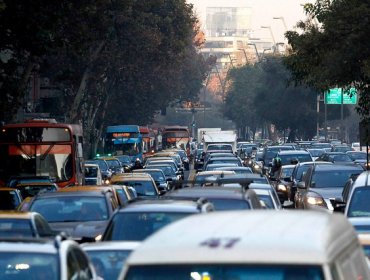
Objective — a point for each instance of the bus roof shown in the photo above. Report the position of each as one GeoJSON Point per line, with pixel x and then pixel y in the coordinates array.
{"type": "Point", "coordinates": [257, 236]}
{"type": "Point", "coordinates": [76, 129]}
{"type": "Point", "coordinates": [123, 128]}
{"type": "Point", "coordinates": [175, 127]}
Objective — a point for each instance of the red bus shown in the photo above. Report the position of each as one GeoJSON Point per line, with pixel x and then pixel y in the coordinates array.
{"type": "Point", "coordinates": [175, 137]}
{"type": "Point", "coordinates": [42, 148]}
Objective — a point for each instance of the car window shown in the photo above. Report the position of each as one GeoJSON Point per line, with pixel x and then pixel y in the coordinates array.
{"type": "Point", "coordinates": [138, 226]}
{"type": "Point", "coordinates": [229, 204]}
{"type": "Point", "coordinates": [359, 205]}
{"type": "Point", "coordinates": [71, 208]}
{"type": "Point", "coordinates": [331, 178]}
{"type": "Point", "coordinates": [143, 188]}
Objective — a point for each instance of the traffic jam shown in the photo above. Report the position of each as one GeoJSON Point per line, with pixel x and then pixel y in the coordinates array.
{"type": "Point", "coordinates": [213, 208]}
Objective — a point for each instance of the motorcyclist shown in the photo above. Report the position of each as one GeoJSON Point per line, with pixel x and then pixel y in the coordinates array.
{"type": "Point", "coordinates": [276, 166]}
{"type": "Point", "coordinates": [137, 165]}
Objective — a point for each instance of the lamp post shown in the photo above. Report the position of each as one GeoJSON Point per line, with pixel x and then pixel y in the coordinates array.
{"type": "Point", "coordinates": [272, 34]}
{"type": "Point", "coordinates": [283, 20]}
{"type": "Point", "coordinates": [245, 55]}
{"type": "Point", "coordinates": [255, 48]}
{"type": "Point", "coordinates": [264, 50]}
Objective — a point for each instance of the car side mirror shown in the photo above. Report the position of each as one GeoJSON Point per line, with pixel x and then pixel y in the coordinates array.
{"type": "Point", "coordinates": [301, 185]}
{"type": "Point", "coordinates": [288, 204]}
{"type": "Point", "coordinates": [340, 205]}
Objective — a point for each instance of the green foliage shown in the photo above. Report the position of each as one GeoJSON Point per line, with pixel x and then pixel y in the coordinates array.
{"type": "Point", "coordinates": [261, 94]}
{"type": "Point", "coordinates": [335, 53]}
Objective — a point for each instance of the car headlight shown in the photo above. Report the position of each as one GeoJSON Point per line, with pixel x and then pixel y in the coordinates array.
{"type": "Point", "coordinates": [315, 199]}
{"type": "Point", "coordinates": [106, 182]}
{"type": "Point", "coordinates": [256, 166]}
{"type": "Point", "coordinates": [281, 188]}
{"type": "Point", "coordinates": [99, 237]}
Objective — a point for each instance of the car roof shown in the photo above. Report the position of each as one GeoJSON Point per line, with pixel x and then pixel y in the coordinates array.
{"type": "Point", "coordinates": [110, 245]}
{"type": "Point", "coordinates": [293, 152]}
{"type": "Point", "coordinates": [257, 237]}
{"type": "Point", "coordinates": [255, 186]}
{"type": "Point", "coordinates": [214, 172]}
{"type": "Point", "coordinates": [210, 192]}
{"type": "Point", "coordinates": [77, 191]}
{"type": "Point", "coordinates": [363, 180]}
{"type": "Point", "coordinates": [162, 205]}
{"type": "Point", "coordinates": [16, 215]}
{"type": "Point", "coordinates": [324, 167]}
{"type": "Point", "coordinates": [36, 245]}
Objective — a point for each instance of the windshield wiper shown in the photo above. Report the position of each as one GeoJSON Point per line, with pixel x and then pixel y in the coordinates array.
{"type": "Point", "coordinates": [43, 156]}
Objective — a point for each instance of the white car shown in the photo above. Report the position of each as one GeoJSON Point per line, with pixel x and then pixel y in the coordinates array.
{"type": "Point", "coordinates": [44, 259]}
{"type": "Point", "coordinates": [108, 257]}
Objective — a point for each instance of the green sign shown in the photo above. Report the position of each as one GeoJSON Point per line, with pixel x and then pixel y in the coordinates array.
{"type": "Point", "coordinates": [334, 96]}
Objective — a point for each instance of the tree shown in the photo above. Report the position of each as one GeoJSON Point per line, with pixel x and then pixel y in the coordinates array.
{"type": "Point", "coordinates": [335, 52]}
{"type": "Point", "coordinates": [261, 94]}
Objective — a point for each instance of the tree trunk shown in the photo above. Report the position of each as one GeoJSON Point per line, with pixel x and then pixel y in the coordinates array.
{"type": "Point", "coordinates": [74, 111]}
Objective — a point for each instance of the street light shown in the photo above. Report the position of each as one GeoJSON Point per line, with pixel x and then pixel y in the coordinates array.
{"type": "Point", "coordinates": [272, 34]}
{"type": "Point", "coordinates": [263, 53]}
{"type": "Point", "coordinates": [283, 20]}
{"type": "Point", "coordinates": [255, 48]}
{"type": "Point", "coordinates": [245, 54]}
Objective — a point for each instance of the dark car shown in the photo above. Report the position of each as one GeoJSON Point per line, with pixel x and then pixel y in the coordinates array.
{"type": "Point", "coordinates": [323, 184]}
{"type": "Point", "coordinates": [15, 224]}
{"type": "Point", "coordinates": [158, 176]}
{"type": "Point", "coordinates": [106, 172]}
{"type": "Point", "coordinates": [223, 198]}
{"type": "Point", "coordinates": [269, 153]}
{"type": "Point", "coordinates": [140, 219]}
{"type": "Point", "coordinates": [335, 157]}
{"type": "Point", "coordinates": [79, 211]}
{"type": "Point", "coordinates": [221, 160]}
{"type": "Point", "coordinates": [283, 182]}
{"type": "Point", "coordinates": [293, 157]}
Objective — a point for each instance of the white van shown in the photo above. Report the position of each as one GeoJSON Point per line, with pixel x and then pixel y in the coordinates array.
{"type": "Point", "coordinates": [249, 245]}
{"type": "Point", "coordinates": [93, 174]}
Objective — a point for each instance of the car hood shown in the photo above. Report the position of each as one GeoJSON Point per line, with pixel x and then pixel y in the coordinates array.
{"type": "Point", "coordinates": [328, 192]}
{"type": "Point", "coordinates": [80, 229]}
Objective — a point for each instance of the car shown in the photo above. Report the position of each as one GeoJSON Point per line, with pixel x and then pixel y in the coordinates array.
{"type": "Point", "coordinates": [221, 160]}
{"type": "Point", "coordinates": [125, 162]}
{"type": "Point", "coordinates": [257, 244]}
{"type": "Point", "coordinates": [106, 172]}
{"type": "Point", "coordinates": [44, 259]}
{"type": "Point", "coordinates": [293, 157]}
{"type": "Point", "coordinates": [143, 184]}
{"type": "Point", "coordinates": [81, 212]}
{"type": "Point", "coordinates": [123, 194]}
{"type": "Point", "coordinates": [215, 166]}
{"type": "Point", "coordinates": [323, 184]}
{"type": "Point", "coordinates": [24, 224]}
{"type": "Point", "coordinates": [200, 177]}
{"type": "Point", "coordinates": [335, 157]}
{"type": "Point", "coordinates": [93, 174]}
{"type": "Point", "coordinates": [183, 156]}
{"type": "Point", "coordinates": [268, 195]}
{"type": "Point", "coordinates": [109, 257]}
{"type": "Point", "coordinates": [299, 171]}
{"type": "Point", "coordinates": [315, 153]}
{"type": "Point", "coordinates": [223, 198]}
{"type": "Point", "coordinates": [154, 163]}
{"type": "Point", "coordinates": [357, 208]}
{"type": "Point", "coordinates": [139, 219]}
{"type": "Point", "coordinates": [341, 148]}
{"type": "Point", "coordinates": [114, 164]}
{"type": "Point", "coordinates": [10, 198]}
{"type": "Point", "coordinates": [158, 177]}
{"type": "Point", "coordinates": [283, 182]}
{"type": "Point", "coordinates": [237, 169]}
{"type": "Point", "coordinates": [198, 159]}
{"type": "Point", "coordinates": [270, 152]}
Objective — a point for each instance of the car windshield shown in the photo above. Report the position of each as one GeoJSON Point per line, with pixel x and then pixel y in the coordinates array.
{"type": "Point", "coordinates": [267, 200]}
{"type": "Point", "coordinates": [286, 172]}
{"type": "Point", "coordinates": [343, 157]}
{"type": "Point", "coordinates": [108, 263]}
{"type": "Point", "coordinates": [225, 271]}
{"type": "Point", "coordinates": [138, 226]}
{"type": "Point", "coordinates": [316, 153]}
{"type": "Point", "coordinates": [156, 175]}
{"type": "Point", "coordinates": [331, 178]}
{"type": "Point", "coordinates": [32, 190]}
{"type": "Point", "coordinates": [143, 188]}
{"type": "Point", "coordinates": [359, 205]}
{"type": "Point", "coordinates": [15, 228]}
{"type": "Point", "coordinates": [24, 265]}
{"type": "Point", "coordinates": [71, 208]}
{"type": "Point", "coordinates": [222, 204]}
{"type": "Point", "coordinates": [102, 164]}
{"type": "Point", "coordinates": [356, 156]}
{"type": "Point", "coordinates": [91, 171]}
{"type": "Point", "coordinates": [288, 159]}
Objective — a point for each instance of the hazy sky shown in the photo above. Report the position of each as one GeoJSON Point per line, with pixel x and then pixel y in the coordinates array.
{"type": "Point", "coordinates": [263, 12]}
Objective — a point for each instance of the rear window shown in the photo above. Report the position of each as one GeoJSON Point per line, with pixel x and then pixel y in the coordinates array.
{"type": "Point", "coordinates": [138, 226]}
{"type": "Point", "coordinates": [143, 188]}
{"type": "Point", "coordinates": [229, 204]}
{"type": "Point", "coordinates": [225, 272]}
{"type": "Point", "coordinates": [332, 178]}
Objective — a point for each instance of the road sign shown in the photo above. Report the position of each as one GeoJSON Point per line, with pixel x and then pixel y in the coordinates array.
{"type": "Point", "coordinates": [334, 96]}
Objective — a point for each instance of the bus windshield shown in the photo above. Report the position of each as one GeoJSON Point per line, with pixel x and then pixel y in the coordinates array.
{"type": "Point", "coordinates": [34, 134]}
{"type": "Point", "coordinates": [53, 160]}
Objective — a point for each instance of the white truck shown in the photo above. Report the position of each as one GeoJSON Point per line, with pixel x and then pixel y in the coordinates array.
{"type": "Point", "coordinates": [228, 137]}
{"type": "Point", "coordinates": [202, 131]}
